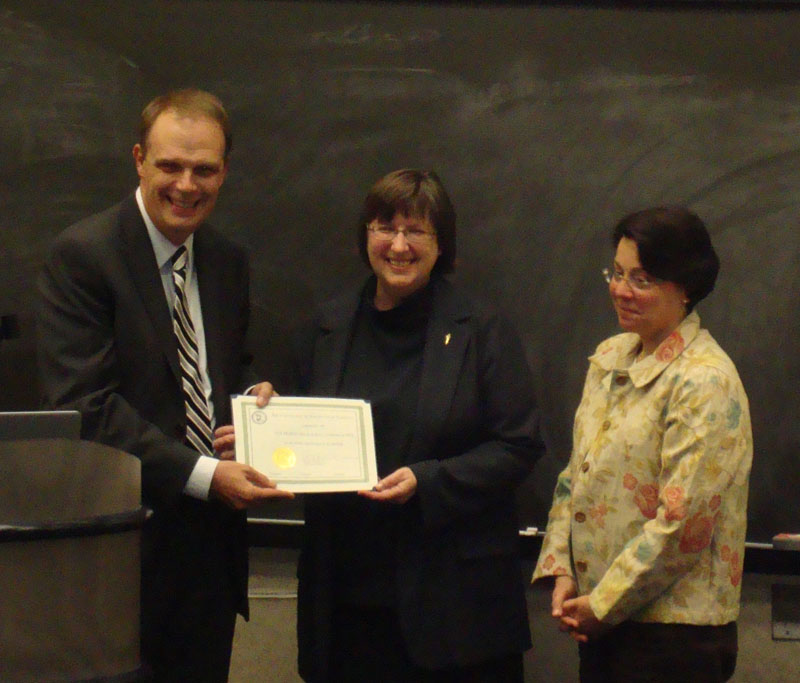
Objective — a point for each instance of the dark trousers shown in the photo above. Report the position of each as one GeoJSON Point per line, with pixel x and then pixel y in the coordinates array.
{"type": "Point", "coordinates": [188, 601]}
{"type": "Point", "coordinates": [660, 653]}
{"type": "Point", "coordinates": [368, 646]}
{"type": "Point", "coordinates": [195, 643]}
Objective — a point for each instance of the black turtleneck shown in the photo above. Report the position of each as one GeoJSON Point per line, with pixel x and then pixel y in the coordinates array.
{"type": "Point", "coordinates": [383, 366]}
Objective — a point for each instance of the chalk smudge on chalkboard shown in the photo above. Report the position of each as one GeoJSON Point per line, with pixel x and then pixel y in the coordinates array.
{"type": "Point", "coordinates": [368, 36]}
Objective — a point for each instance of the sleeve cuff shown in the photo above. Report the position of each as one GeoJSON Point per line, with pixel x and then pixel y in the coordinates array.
{"type": "Point", "coordinates": [199, 483]}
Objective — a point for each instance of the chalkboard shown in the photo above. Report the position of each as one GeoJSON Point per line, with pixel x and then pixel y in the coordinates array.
{"type": "Point", "coordinates": [546, 123]}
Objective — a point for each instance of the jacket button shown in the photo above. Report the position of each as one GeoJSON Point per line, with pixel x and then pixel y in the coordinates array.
{"type": "Point", "coordinates": [606, 425]}
{"type": "Point", "coordinates": [621, 379]}
{"type": "Point", "coordinates": [581, 566]}
{"type": "Point", "coordinates": [580, 517]}
{"type": "Point", "coordinates": [585, 467]}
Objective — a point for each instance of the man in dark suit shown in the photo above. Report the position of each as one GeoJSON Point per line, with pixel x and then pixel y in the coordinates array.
{"type": "Point", "coordinates": [109, 346]}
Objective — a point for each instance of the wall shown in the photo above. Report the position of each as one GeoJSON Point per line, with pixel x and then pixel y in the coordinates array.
{"type": "Point", "coordinates": [546, 123]}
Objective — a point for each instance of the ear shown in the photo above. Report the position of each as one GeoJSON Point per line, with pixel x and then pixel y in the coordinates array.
{"type": "Point", "coordinates": [138, 158]}
{"type": "Point", "coordinates": [680, 292]}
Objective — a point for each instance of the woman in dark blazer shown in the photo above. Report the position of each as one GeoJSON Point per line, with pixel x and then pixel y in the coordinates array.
{"type": "Point", "coordinates": [418, 579]}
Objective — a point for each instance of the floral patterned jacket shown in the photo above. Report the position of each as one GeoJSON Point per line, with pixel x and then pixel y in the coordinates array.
{"type": "Point", "coordinates": [649, 515]}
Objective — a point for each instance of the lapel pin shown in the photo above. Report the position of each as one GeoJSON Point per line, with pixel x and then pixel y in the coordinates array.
{"type": "Point", "coordinates": [447, 339]}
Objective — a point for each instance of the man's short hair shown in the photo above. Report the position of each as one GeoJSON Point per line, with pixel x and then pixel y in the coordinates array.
{"type": "Point", "coordinates": [187, 102]}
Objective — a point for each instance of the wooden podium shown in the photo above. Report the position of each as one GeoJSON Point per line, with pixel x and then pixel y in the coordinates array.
{"type": "Point", "coordinates": [70, 537]}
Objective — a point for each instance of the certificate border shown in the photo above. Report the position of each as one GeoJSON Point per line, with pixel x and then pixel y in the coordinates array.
{"type": "Point", "coordinates": [247, 406]}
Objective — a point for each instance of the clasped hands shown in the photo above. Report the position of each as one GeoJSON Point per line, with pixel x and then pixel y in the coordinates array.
{"type": "Point", "coordinates": [574, 614]}
{"type": "Point", "coordinates": [239, 485]}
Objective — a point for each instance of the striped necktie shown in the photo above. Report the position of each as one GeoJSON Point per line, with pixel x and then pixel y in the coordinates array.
{"type": "Point", "coordinates": [198, 415]}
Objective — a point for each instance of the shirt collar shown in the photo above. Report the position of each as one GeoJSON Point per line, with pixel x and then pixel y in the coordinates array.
{"type": "Point", "coordinates": [621, 357]}
{"type": "Point", "coordinates": [162, 247]}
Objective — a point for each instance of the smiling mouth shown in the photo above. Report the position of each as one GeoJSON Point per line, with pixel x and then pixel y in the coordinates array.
{"type": "Point", "coordinates": [395, 263]}
{"type": "Point", "coordinates": [183, 204]}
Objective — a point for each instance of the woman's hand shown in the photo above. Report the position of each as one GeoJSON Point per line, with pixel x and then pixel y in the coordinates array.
{"type": "Point", "coordinates": [580, 621]}
{"type": "Point", "coordinates": [564, 589]}
{"type": "Point", "coordinates": [397, 488]}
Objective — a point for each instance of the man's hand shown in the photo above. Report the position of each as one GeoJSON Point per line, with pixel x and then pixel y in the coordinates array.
{"type": "Point", "coordinates": [224, 442]}
{"type": "Point", "coordinates": [263, 391]}
{"type": "Point", "coordinates": [224, 438]}
{"type": "Point", "coordinates": [398, 487]}
{"type": "Point", "coordinates": [239, 486]}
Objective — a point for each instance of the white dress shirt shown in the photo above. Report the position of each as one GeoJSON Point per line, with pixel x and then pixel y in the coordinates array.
{"type": "Point", "coordinates": [199, 481]}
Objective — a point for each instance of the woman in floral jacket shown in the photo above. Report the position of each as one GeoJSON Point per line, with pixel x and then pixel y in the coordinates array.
{"type": "Point", "coordinates": [645, 539]}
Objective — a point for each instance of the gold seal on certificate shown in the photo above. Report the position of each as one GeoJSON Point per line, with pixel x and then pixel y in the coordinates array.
{"type": "Point", "coordinates": [308, 445]}
{"type": "Point", "coordinates": [284, 457]}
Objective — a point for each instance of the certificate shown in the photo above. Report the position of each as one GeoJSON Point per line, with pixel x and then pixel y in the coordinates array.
{"type": "Point", "coordinates": [308, 445]}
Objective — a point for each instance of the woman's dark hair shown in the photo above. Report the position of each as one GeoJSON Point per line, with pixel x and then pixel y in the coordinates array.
{"type": "Point", "coordinates": [673, 245]}
{"type": "Point", "coordinates": [412, 193]}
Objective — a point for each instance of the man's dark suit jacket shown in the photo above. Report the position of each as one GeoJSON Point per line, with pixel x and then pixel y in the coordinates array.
{"type": "Point", "coordinates": [460, 593]}
{"type": "Point", "coordinates": [107, 349]}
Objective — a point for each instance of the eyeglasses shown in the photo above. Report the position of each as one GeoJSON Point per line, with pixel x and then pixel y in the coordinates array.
{"type": "Point", "coordinates": [387, 233]}
{"type": "Point", "coordinates": [638, 282]}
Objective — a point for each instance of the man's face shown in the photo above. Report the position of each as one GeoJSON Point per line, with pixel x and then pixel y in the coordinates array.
{"type": "Point", "coordinates": [180, 172]}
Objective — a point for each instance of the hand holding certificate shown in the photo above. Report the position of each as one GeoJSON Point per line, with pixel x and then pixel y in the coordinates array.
{"type": "Point", "coordinates": [307, 445]}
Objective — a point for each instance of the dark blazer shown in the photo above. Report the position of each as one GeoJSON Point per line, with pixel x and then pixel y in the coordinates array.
{"type": "Point", "coordinates": [107, 348]}
{"type": "Point", "coordinates": [460, 593]}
